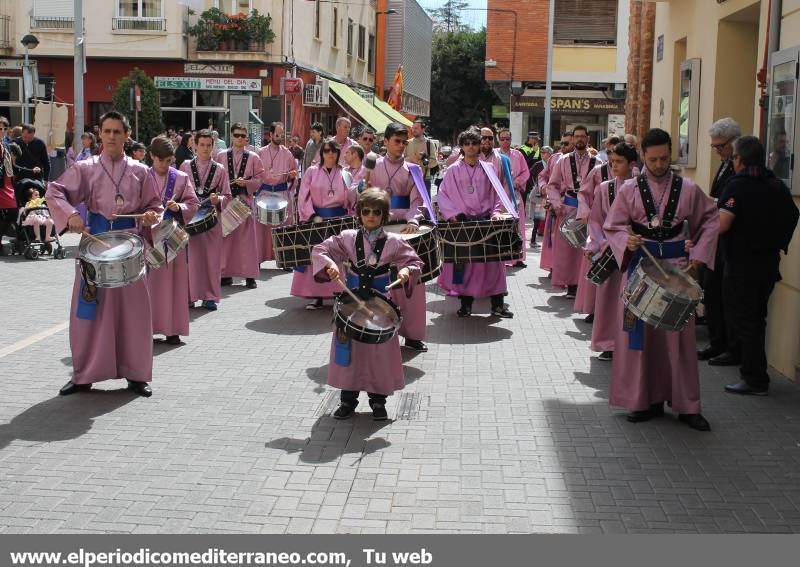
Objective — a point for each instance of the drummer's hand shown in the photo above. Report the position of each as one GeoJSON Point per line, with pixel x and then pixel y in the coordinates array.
{"type": "Point", "coordinates": [403, 275]}
{"type": "Point", "coordinates": [75, 223]}
{"type": "Point", "coordinates": [37, 170]}
{"type": "Point", "coordinates": [634, 241]}
{"type": "Point", "coordinates": [452, 219]}
{"type": "Point", "coordinates": [173, 206]}
{"type": "Point", "coordinates": [588, 254]}
{"type": "Point", "coordinates": [693, 268]}
{"type": "Point", "coordinates": [150, 218]}
{"type": "Point", "coordinates": [583, 220]}
{"type": "Point", "coordinates": [333, 271]}
{"type": "Point", "coordinates": [688, 245]}
{"type": "Point", "coordinates": [292, 174]}
{"type": "Point", "coordinates": [214, 199]}
{"type": "Point", "coordinates": [240, 181]}
{"type": "Point", "coordinates": [410, 228]}
{"type": "Point", "coordinates": [497, 216]}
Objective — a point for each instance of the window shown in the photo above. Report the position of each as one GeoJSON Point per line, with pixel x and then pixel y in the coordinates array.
{"type": "Point", "coordinates": [362, 41]}
{"type": "Point", "coordinates": [233, 6]}
{"type": "Point", "coordinates": [335, 29]}
{"type": "Point", "coordinates": [592, 22]}
{"type": "Point", "coordinates": [9, 90]}
{"type": "Point", "coordinates": [349, 36]}
{"type": "Point", "coordinates": [139, 9]}
{"type": "Point", "coordinates": [371, 54]}
{"type": "Point", "coordinates": [52, 14]}
{"type": "Point", "coordinates": [317, 17]}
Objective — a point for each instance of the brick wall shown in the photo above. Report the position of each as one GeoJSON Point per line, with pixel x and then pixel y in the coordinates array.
{"type": "Point", "coordinates": [640, 67]}
{"type": "Point", "coordinates": [530, 62]}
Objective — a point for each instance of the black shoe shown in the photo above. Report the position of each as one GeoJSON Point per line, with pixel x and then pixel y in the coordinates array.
{"type": "Point", "coordinates": [589, 318]}
{"type": "Point", "coordinates": [418, 346]}
{"type": "Point", "coordinates": [173, 340]}
{"type": "Point", "coordinates": [502, 312]}
{"type": "Point", "coordinates": [707, 353]}
{"type": "Point", "coordinates": [725, 359]}
{"type": "Point", "coordinates": [226, 281]}
{"type": "Point", "coordinates": [572, 291]}
{"type": "Point", "coordinates": [695, 421]}
{"type": "Point", "coordinates": [520, 264]}
{"type": "Point", "coordinates": [73, 388]}
{"type": "Point", "coordinates": [141, 388]}
{"type": "Point", "coordinates": [606, 355]}
{"type": "Point", "coordinates": [250, 283]}
{"type": "Point", "coordinates": [344, 411]}
{"type": "Point", "coordinates": [655, 410]}
{"type": "Point", "coordinates": [465, 310]}
{"type": "Point", "coordinates": [379, 412]}
{"type": "Point", "coordinates": [745, 389]}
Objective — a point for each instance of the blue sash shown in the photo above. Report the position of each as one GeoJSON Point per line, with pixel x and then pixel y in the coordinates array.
{"type": "Point", "coordinates": [506, 161]}
{"type": "Point", "coordinates": [570, 201]}
{"type": "Point", "coordinates": [398, 202]}
{"type": "Point", "coordinates": [330, 212]}
{"type": "Point", "coordinates": [343, 345]}
{"type": "Point", "coordinates": [273, 188]}
{"type": "Point", "coordinates": [664, 250]}
{"type": "Point", "coordinates": [169, 191]}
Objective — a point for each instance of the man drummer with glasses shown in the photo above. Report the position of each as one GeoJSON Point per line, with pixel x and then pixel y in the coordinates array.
{"type": "Point", "coordinates": [393, 175]}
{"type": "Point", "coordinates": [367, 139]}
{"type": "Point", "coordinates": [679, 224]}
{"type": "Point", "coordinates": [110, 329]}
{"type": "Point", "coordinates": [520, 174]}
{"type": "Point", "coordinates": [280, 171]}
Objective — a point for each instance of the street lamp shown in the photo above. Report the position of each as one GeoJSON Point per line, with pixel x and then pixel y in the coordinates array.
{"type": "Point", "coordinates": [379, 68]}
{"type": "Point", "coordinates": [30, 41]}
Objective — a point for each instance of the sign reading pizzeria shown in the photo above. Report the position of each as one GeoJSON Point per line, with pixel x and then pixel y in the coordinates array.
{"type": "Point", "coordinates": [208, 83]}
{"type": "Point", "coordinates": [568, 105]}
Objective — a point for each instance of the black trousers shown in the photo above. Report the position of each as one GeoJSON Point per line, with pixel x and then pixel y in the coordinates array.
{"type": "Point", "coordinates": [750, 295]}
{"type": "Point", "coordinates": [351, 397]}
{"type": "Point", "coordinates": [719, 317]}
{"type": "Point", "coordinates": [497, 300]}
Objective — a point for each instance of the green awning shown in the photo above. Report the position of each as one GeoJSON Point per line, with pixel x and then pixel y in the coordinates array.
{"type": "Point", "coordinates": [361, 107]}
{"type": "Point", "coordinates": [391, 112]}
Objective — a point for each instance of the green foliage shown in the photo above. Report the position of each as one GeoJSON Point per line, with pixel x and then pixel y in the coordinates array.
{"type": "Point", "coordinates": [150, 124]}
{"type": "Point", "coordinates": [460, 97]}
{"type": "Point", "coordinates": [447, 18]}
{"type": "Point", "coordinates": [214, 26]}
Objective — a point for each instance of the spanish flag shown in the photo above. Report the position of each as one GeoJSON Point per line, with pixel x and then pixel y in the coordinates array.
{"type": "Point", "coordinates": [395, 98]}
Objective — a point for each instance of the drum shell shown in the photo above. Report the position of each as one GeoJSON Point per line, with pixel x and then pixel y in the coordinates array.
{"type": "Point", "coordinates": [234, 215]}
{"type": "Point", "coordinates": [479, 241]}
{"type": "Point", "coordinates": [204, 223]}
{"type": "Point", "coordinates": [271, 216]}
{"type": "Point", "coordinates": [602, 268]}
{"type": "Point", "coordinates": [113, 273]}
{"type": "Point", "coordinates": [574, 232]}
{"type": "Point", "coordinates": [426, 244]}
{"type": "Point", "coordinates": [292, 244]}
{"type": "Point", "coordinates": [360, 333]}
{"type": "Point", "coordinates": [168, 232]}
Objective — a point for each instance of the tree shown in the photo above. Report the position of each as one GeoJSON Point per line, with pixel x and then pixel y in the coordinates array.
{"type": "Point", "coordinates": [460, 97]}
{"type": "Point", "coordinates": [447, 18]}
{"type": "Point", "coordinates": [150, 124]}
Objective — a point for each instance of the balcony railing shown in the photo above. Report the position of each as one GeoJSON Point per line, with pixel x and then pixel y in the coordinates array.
{"type": "Point", "coordinates": [208, 40]}
{"type": "Point", "coordinates": [5, 32]}
{"type": "Point", "coordinates": [139, 24]}
{"type": "Point", "coordinates": [51, 23]}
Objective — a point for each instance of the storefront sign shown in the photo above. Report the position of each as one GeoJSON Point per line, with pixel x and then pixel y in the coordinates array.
{"type": "Point", "coordinates": [8, 64]}
{"type": "Point", "coordinates": [568, 105]}
{"type": "Point", "coordinates": [210, 68]}
{"type": "Point", "coordinates": [208, 83]}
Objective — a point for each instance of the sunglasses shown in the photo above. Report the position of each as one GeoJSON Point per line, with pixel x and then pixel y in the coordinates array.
{"type": "Point", "coordinates": [471, 143]}
{"type": "Point", "coordinates": [3, 128]}
{"type": "Point", "coordinates": [487, 138]}
{"type": "Point", "coordinates": [366, 139]}
{"type": "Point", "coordinates": [365, 212]}
{"type": "Point", "coordinates": [239, 135]}
{"type": "Point", "coordinates": [327, 150]}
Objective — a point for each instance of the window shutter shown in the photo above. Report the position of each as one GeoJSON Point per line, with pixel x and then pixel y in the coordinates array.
{"type": "Point", "coordinates": [53, 9]}
{"type": "Point", "coordinates": [585, 22]}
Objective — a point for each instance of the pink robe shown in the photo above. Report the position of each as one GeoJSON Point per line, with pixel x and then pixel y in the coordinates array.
{"type": "Point", "coordinates": [566, 259]}
{"type": "Point", "coordinates": [118, 342]}
{"type": "Point", "coordinates": [586, 297]}
{"type": "Point", "coordinates": [666, 370]}
{"type": "Point", "coordinates": [373, 368]}
{"type": "Point", "coordinates": [520, 175]}
{"type": "Point", "coordinates": [357, 175]}
{"type": "Point", "coordinates": [277, 164]}
{"type": "Point", "coordinates": [480, 279]}
{"type": "Point", "coordinates": [546, 256]}
{"type": "Point", "coordinates": [343, 147]}
{"type": "Point", "coordinates": [402, 185]}
{"type": "Point", "coordinates": [315, 193]}
{"type": "Point", "coordinates": [205, 249]}
{"type": "Point", "coordinates": [240, 256]}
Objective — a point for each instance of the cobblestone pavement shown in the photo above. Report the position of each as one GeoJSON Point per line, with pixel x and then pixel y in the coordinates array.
{"type": "Point", "coordinates": [504, 426]}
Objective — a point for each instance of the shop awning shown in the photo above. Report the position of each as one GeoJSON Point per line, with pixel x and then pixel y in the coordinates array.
{"type": "Point", "coordinates": [391, 112]}
{"type": "Point", "coordinates": [368, 113]}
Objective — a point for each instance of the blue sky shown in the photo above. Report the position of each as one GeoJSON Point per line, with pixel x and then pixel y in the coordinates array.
{"type": "Point", "coordinates": [474, 18]}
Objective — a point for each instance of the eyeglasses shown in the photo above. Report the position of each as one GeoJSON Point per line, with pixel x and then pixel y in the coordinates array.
{"type": "Point", "coordinates": [718, 147]}
{"type": "Point", "coordinates": [471, 143]}
{"type": "Point", "coordinates": [505, 138]}
{"type": "Point", "coordinates": [239, 135]}
{"type": "Point", "coordinates": [365, 212]}
{"type": "Point", "coordinates": [3, 128]}
{"type": "Point", "coordinates": [368, 139]}
{"type": "Point", "coordinates": [327, 150]}
{"type": "Point", "coordinates": [487, 138]}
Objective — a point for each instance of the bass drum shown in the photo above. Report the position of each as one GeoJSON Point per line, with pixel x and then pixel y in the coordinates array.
{"type": "Point", "coordinates": [425, 243]}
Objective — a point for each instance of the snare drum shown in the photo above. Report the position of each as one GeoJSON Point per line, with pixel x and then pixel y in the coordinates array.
{"type": "Point", "coordinates": [234, 215]}
{"type": "Point", "coordinates": [203, 220]}
{"type": "Point", "coordinates": [425, 243]}
{"type": "Point", "coordinates": [479, 241]}
{"type": "Point", "coordinates": [573, 231]}
{"type": "Point", "coordinates": [168, 241]}
{"type": "Point", "coordinates": [359, 326]}
{"type": "Point", "coordinates": [272, 209]}
{"type": "Point", "coordinates": [665, 304]}
{"type": "Point", "coordinates": [603, 265]}
{"type": "Point", "coordinates": [118, 263]}
{"type": "Point", "coordinates": [292, 244]}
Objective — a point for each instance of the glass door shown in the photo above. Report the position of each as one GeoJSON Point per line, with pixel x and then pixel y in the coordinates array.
{"type": "Point", "coordinates": [782, 118]}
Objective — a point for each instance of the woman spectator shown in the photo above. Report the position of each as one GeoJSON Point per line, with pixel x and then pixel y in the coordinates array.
{"type": "Point", "coordinates": [88, 148]}
{"type": "Point", "coordinates": [183, 152]}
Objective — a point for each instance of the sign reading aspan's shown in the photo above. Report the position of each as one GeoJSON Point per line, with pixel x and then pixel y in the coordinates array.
{"type": "Point", "coordinates": [568, 105]}
{"type": "Point", "coordinates": [208, 83]}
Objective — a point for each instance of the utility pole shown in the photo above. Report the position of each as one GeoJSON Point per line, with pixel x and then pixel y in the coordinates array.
{"type": "Point", "coordinates": [79, 70]}
{"type": "Point", "coordinates": [548, 93]}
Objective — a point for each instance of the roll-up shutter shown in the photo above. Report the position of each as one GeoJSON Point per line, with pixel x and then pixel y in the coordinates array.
{"type": "Point", "coordinates": [53, 9]}
{"type": "Point", "coordinates": [585, 22]}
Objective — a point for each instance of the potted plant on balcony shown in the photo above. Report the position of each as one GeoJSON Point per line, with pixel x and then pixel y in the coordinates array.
{"type": "Point", "coordinates": [260, 28]}
{"type": "Point", "coordinates": [211, 31]}
{"type": "Point", "coordinates": [239, 31]}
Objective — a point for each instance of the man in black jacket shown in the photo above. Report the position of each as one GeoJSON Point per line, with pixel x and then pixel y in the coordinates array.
{"type": "Point", "coordinates": [34, 163]}
{"type": "Point", "coordinates": [758, 217]}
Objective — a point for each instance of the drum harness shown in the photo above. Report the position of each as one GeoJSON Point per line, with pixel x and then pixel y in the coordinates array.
{"type": "Point", "coordinates": [203, 190]}
{"type": "Point", "coordinates": [366, 271]}
{"type": "Point", "coordinates": [576, 180]}
{"type": "Point", "coordinates": [235, 189]}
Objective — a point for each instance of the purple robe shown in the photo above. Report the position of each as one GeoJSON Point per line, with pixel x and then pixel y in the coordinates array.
{"type": "Point", "coordinates": [277, 164]}
{"type": "Point", "coordinates": [205, 249]}
{"type": "Point", "coordinates": [483, 279]}
{"type": "Point", "coordinates": [519, 175]}
{"type": "Point", "coordinates": [343, 147]}
{"type": "Point", "coordinates": [373, 368]}
{"type": "Point", "coordinates": [118, 342]}
{"type": "Point", "coordinates": [169, 284]}
{"type": "Point", "coordinates": [320, 189]}
{"type": "Point", "coordinates": [357, 175]}
{"type": "Point", "coordinates": [546, 256]}
{"type": "Point", "coordinates": [240, 256]}
{"type": "Point", "coordinates": [667, 367]}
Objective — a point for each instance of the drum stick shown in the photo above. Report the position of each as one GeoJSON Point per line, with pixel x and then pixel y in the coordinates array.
{"type": "Point", "coordinates": [91, 237]}
{"type": "Point", "coordinates": [395, 283]}
{"type": "Point", "coordinates": [359, 302]}
{"type": "Point", "coordinates": [650, 255]}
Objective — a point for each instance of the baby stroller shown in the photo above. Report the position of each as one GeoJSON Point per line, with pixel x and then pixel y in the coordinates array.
{"type": "Point", "coordinates": [26, 242]}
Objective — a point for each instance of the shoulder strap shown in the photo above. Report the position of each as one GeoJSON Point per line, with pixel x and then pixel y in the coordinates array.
{"type": "Point", "coordinates": [612, 192]}
{"type": "Point", "coordinates": [674, 197]}
{"type": "Point", "coordinates": [604, 172]}
{"type": "Point", "coordinates": [231, 173]}
{"type": "Point", "coordinates": [647, 196]}
{"type": "Point", "coordinates": [576, 182]}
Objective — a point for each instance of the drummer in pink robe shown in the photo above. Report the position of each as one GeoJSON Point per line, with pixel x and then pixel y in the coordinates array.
{"type": "Point", "coordinates": [519, 175]}
{"type": "Point", "coordinates": [550, 230]}
{"type": "Point", "coordinates": [393, 174]}
{"type": "Point", "coordinates": [562, 192]}
{"type": "Point", "coordinates": [653, 366]}
{"type": "Point", "coordinates": [240, 256]}
{"type": "Point", "coordinates": [608, 304]}
{"type": "Point", "coordinates": [210, 182]}
{"type": "Point", "coordinates": [323, 193]}
{"type": "Point", "coordinates": [110, 331]}
{"type": "Point", "coordinates": [280, 171]}
{"type": "Point", "coordinates": [467, 193]}
{"type": "Point", "coordinates": [169, 284]}
{"type": "Point", "coordinates": [356, 366]}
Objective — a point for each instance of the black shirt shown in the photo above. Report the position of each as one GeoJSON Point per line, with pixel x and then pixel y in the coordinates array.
{"type": "Point", "coordinates": [33, 155]}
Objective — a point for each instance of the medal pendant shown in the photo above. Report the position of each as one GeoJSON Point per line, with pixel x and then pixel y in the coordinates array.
{"type": "Point", "coordinates": [655, 222]}
{"type": "Point", "coordinates": [119, 200]}
{"type": "Point", "coordinates": [470, 189]}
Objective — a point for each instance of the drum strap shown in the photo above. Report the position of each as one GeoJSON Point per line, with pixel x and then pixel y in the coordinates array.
{"type": "Point", "coordinates": [366, 270]}
{"type": "Point", "coordinates": [604, 172]}
{"type": "Point", "coordinates": [612, 192]}
{"type": "Point", "coordinates": [573, 164]}
{"type": "Point", "coordinates": [202, 189]}
{"type": "Point", "coordinates": [235, 189]}
{"type": "Point", "coordinates": [665, 228]}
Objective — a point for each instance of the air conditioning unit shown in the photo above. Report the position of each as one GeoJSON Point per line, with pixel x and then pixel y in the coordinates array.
{"type": "Point", "coordinates": [316, 94]}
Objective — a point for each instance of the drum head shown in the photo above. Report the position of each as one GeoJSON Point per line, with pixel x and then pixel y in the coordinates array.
{"type": "Point", "coordinates": [397, 228]}
{"type": "Point", "coordinates": [676, 281]}
{"type": "Point", "coordinates": [201, 213]}
{"type": "Point", "coordinates": [121, 245]}
{"type": "Point", "coordinates": [272, 202]}
{"type": "Point", "coordinates": [384, 314]}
